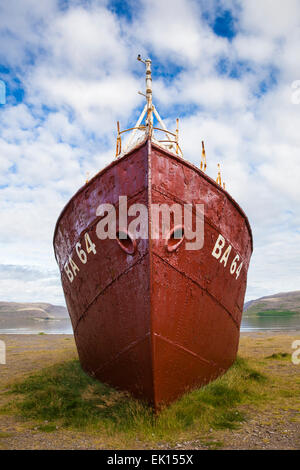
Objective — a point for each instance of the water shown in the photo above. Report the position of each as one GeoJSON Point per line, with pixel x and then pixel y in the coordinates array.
{"type": "Point", "coordinates": [251, 323]}
{"type": "Point", "coordinates": [59, 327]}
{"type": "Point", "coordinates": [286, 323]}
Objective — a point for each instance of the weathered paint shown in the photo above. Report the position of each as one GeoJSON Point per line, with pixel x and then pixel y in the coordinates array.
{"type": "Point", "coordinates": [157, 322]}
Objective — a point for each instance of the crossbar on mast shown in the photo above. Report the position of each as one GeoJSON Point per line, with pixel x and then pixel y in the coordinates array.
{"type": "Point", "coordinates": [138, 123]}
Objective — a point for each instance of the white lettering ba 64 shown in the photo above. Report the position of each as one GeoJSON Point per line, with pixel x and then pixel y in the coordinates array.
{"type": "Point", "coordinates": [222, 253]}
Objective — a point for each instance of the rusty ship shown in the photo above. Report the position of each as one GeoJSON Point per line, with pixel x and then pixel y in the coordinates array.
{"type": "Point", "coordinates": [149, 315]}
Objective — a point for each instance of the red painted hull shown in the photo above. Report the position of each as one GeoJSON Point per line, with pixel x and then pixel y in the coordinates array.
{"type": "Point", "coordinates": [155, 323]}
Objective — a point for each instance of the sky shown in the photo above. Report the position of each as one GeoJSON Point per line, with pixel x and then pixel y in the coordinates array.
{"type": "Point", "coordinates": [230, 71]}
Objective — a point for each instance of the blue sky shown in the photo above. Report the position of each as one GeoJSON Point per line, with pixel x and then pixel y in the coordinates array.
{"type": "Point", "coordinates": [224, 67]}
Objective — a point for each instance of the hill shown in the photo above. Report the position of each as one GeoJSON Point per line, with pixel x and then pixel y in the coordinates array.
{"type": "Point", "coordinates": [283, 303]}
{"type": "Point", "coordinates": [20, 312]}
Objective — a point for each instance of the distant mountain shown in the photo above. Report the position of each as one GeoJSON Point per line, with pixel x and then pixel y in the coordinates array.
{"type": "Point", "coordinates": [281, 304]}
{"type": "Point", "coordinates": [16, 312]}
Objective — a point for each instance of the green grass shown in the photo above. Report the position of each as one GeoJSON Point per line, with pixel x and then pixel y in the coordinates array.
{"type": "Point", "coordinates": [3, 435]}
{"type": "Point", "coordinates": [213, 444]}
{"type": "Point", "coordinates": [63, 395]}
{"type": "Point", "coordinates": [47, 427]}
{"type": "Point", "coordinates": [279, 356]}
{"type": "Point", "coordinates": [275, 313]}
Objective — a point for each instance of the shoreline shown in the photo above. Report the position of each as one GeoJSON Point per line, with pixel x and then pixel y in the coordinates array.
{"type": "Point", "coordinates": [273, 332]}
{"type": "Point", "coordinates": [247, 331]}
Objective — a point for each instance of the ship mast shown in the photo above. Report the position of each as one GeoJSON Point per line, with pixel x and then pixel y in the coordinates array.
{"type": "Point", "coordinates": [149, 118]}
{"type": "Point", "coordinates": [149, 109]}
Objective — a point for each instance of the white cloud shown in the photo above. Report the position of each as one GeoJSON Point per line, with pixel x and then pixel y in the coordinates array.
{"type": "Point", "coordinates": [272, 18]}
{"type": "Point", "coordinates": [24, 283]}
{"type": "Point", "coordinates": [255, 48]}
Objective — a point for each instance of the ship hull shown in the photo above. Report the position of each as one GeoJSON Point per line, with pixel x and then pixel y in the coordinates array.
{"type": "Point", "coordinates": [155, 322]}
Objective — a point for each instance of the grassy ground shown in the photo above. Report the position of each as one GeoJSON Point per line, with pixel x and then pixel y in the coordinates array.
{"type": "Point", "coordinates": [255, 405]}
{"type": "Point", "coordinates": [63, 396]}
